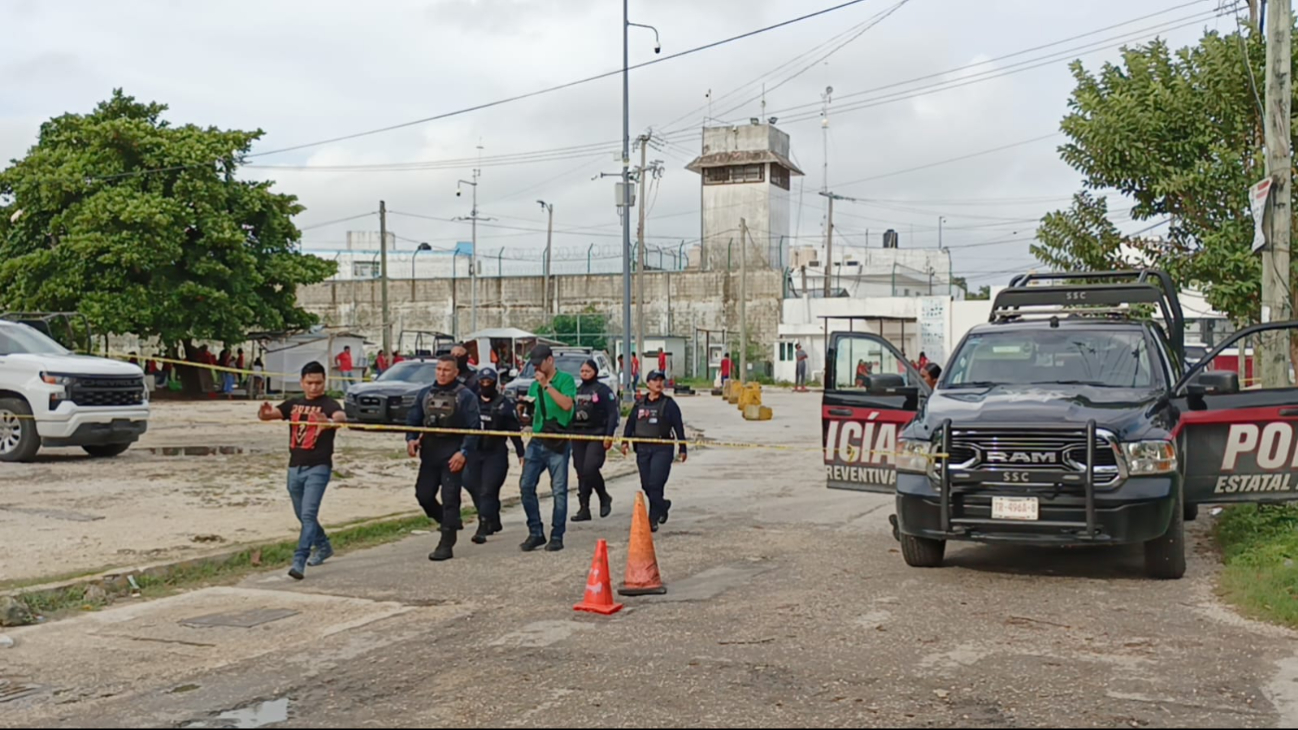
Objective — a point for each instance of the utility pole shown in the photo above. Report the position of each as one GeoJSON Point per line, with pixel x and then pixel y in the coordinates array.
{"type": "Point", "coordinates": [1277, 298]}
{"type": "Point", "coordinates": [829, 239]}
{"type": "Point", "coordinates": [473, 255]}
{"type": "Point", "coordinates": [829, 243]}
{"type": "Point", "coordinates": [743, 300]}
{"type": "Point", "coordinates": [383, 272]}
{"type": "Point", "coordinates": [549, 237]}
{"type": "Point", "coordinates": [643, 141]}
{"type": "Point", "coordinates": [940, 220]}
{"type": "Point", "coordinates": [626, 186]}
{"type": "Point", "coordinates": [1252, 14]}
{"type": "Point", "coordinates": [626, 198]}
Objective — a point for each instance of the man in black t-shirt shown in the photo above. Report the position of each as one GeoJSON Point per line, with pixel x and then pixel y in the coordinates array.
{"type": "Point", "coordinates": [310, 460]}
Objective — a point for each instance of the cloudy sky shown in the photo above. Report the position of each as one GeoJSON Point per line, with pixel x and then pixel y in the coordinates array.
{"type": "Point", "coordinates": [917, 85]}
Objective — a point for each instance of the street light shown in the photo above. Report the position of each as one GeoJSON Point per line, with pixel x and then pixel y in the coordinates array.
{"type": "Point", "coordinates": [545, 282]}
{"type": "Point", "coordinates": [415, 255]}
{"type": "Point", "coordinates": [473, 255]}
{"type": "Point", "coordinates": [626, 184]}
{"type": "Point", "coordinates": [940, 220]}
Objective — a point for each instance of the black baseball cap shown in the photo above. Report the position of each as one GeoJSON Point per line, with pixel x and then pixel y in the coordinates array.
{"type": "Point", "coordinates": [487, 373]}
{"type": "Point", "coordinates": [657, 375]}
{"type": "Point", "coordinates": [540, 354]}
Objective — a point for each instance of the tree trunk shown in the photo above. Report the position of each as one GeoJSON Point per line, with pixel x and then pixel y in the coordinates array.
{"type": "Point", "coordinates": [194, 383]}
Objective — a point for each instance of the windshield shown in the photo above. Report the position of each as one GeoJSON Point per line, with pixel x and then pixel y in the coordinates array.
{"type": "Point", "coordinates": [1113, 359]}
{"type": "Point", "coordinates": [411, 372]}
{"type": "Point", "coordinates": [18, 339]}
{"type": "Point", "coordinates": [570, 364]}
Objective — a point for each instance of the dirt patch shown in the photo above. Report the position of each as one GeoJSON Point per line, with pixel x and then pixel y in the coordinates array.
{"type": "Point", "coordinates": [69, 515]}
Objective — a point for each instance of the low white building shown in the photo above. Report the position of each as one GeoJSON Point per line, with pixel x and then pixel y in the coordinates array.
{"type": "Point", "coordinates": [928, 325]}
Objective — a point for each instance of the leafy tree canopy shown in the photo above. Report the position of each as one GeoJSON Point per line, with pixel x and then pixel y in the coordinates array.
{"type": "Point", "coordinates": [1178, 133]}
{"type": "Point", "coordinates": [142, 226]}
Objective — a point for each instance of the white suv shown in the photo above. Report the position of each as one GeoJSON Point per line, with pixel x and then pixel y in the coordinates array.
{"type": "Point", "coordinates": [51, 397]}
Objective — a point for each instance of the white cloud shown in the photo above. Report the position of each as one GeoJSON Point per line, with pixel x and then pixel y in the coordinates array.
{"type": "Point", "coordinates": [305, 71]}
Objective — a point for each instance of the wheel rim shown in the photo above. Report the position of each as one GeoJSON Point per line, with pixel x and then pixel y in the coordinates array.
{"type": "Point", "coordinates": [11, 431]}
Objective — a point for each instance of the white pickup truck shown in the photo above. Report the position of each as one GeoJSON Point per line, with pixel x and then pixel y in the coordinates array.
{"type": "Point", "coordinates": [52, 397]}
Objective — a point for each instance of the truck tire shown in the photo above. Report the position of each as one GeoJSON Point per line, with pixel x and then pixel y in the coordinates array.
{"type": "Point", "coordinates": [1191, 512]}
{"type": "Point", "coordinates": [18, 438]}
{"type": "Point", "coordinates": [920, 552]}
{"type": "Point", "coordinates": [1165, 556]}
{"type": "Point", "coordinates": [106, 451]}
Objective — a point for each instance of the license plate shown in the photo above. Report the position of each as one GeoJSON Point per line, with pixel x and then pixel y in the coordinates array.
{"type": "Point", "coordinates": [1025, 509]}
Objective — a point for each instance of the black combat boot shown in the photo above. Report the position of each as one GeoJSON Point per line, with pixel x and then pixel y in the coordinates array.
{"type": "Point", "coordinates": [484, 530]}
{"type": "Point", "coordinates": [605, 505]}
{"type": "Point", "coordinates": [583, 514]}
{"type": "Point", "coordinates": [444, 549]}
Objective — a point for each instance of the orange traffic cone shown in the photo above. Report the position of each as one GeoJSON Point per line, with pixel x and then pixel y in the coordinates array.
{"type": "Point", "coordinates": [642, 578]}
{"type": "Point", "coordinates": [599, 589]}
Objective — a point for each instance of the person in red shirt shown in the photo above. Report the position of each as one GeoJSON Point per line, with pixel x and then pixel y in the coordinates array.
{"type": "Point", "coordinates": [343, 363]}
{"type": "Point", "coordinates": [725, 369]}
{"type": "Point", "coordinates": [380, 363]}
{"type": "Point", "coordinates": [662, 360]}
{"type": "Point", "coordinates": [635, 371]}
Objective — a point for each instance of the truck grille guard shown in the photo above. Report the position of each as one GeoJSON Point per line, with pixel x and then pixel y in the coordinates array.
{"type": "Point", "coordinates": [1086, 480]}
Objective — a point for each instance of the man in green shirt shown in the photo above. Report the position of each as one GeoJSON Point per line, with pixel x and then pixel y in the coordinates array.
{"type": "Point", "coordinates": [553, 393]}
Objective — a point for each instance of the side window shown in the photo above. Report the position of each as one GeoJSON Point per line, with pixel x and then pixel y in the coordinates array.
{"type": "Point", "coordinates": [858, 359]}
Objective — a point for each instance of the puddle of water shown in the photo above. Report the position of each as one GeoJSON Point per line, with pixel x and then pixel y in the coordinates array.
{"type": "Point", "coordinates": [258, 715]}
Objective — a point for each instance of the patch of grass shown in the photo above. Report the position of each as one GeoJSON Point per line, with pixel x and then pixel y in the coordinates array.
{"type": "Point", "coordinates": [1260, 550]}
{"type": "Point", "coordinates": [236, 567]}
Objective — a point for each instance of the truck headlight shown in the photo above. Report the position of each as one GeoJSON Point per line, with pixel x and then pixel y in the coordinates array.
{"type": "Point", "coordinates": [914, 456]}
{"type": "Point", "coordinates": [1149, 457]}
{"type": "Point", "coordinates": [56, 379]}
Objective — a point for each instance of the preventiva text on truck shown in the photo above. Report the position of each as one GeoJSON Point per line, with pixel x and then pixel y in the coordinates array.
{"type": "Point", "coordinates": [1070, 418]}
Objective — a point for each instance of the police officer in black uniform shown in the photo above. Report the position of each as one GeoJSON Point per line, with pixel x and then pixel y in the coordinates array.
{"type": "Point", "coordinates": [489, 464]}
{"type": "Point", "coordinates": [445, 404]}
{"type": "Point", "coordinates": [596, 414]}
{"type": "Point", "coordinates": [655, 416]}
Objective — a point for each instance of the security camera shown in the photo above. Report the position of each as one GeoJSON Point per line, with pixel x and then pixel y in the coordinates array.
{"type": "Point", "coordinates": [457, 191]}
{"type": "Point", "coordinates": [658, 48]}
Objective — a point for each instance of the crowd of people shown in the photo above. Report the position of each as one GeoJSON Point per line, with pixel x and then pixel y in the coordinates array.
{"type": "Point", "coordinates": [573, 423]}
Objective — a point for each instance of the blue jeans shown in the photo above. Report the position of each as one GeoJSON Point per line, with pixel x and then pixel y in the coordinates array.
{"type": "Point", "coordinates": [539, 459]}
{"type": "Point", "coordinates": [306, 486]}
{"type": "Point", "coordinates": [227, 386]}
{"type": "Point", "coordinates": [347, 378]}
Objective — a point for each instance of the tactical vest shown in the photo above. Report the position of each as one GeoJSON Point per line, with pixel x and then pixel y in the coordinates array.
{"type": "Point", "coordinates": [651, 418]}
{"type": "Point", "coordinates": [440, 407]}
{"type": "Point", "coordinates": [589, 414]}
{"type": "Point", "coordinates": [493, 419]}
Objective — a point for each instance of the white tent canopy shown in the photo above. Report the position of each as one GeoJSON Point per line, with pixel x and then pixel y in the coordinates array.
{"type": "Point", "coordinates": [506, 333]}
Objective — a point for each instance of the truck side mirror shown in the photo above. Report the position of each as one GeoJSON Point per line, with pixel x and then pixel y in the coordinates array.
{"type": "Point", "coordinates": [1213, 382]}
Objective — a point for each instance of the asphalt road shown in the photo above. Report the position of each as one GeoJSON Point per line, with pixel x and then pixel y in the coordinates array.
{"type": "Point", "coordinates": [789, 605]}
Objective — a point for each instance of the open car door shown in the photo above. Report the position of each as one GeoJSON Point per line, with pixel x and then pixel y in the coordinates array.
{"type": "Point", "coordinates": [1237, 440]}
{"type": "Point", "coordinates": [871, 393]}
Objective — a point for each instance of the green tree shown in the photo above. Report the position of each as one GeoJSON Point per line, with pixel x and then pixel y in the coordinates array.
{"type": "Point", "coordinates": [1179, 134]}
{"type": "Point", "coordinates": [142, 226]}
{"type": "Point", "coordinates": [984, 292]}
{"type": "Point", "coordinates": [587, 329]}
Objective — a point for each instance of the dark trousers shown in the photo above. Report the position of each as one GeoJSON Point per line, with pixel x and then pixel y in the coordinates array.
{"type": "Point", "coordinates": [435, 475]}
{"type": "Point", "coordinates": [588, 459]}
{"type": "Point", "coordinates": [655, 464]}
{"type": "Point", "coordinates": [484, 475]}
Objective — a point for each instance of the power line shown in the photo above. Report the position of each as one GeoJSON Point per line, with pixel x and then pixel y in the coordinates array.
{"type": "Point", "coordinates": [871, 23]}
{"type": "Point", "coordinates": [1020, 67]}
{"type": "Point", "coordinates": [568, 85]}
{"type": "Point", "coordinates": [340, 220]}
{"type": "Point", "coordinates": [1021, 52]}
{"type": "Point", "coordinates": [971, 155]}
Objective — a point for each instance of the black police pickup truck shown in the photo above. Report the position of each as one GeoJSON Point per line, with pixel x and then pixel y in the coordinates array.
{"type": "Point", "coordinates": [1068, 419]}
